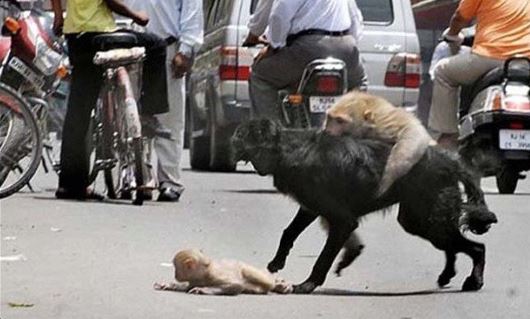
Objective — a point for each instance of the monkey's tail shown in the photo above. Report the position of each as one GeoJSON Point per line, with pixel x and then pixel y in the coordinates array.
{"type": "Point", "coordinates": [475, 216]}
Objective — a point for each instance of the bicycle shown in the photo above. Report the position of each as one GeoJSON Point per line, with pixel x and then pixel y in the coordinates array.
{"type": "Point", "coordinates": [20, 142]}
{"type": "Point", "coordinates": [117, 132]}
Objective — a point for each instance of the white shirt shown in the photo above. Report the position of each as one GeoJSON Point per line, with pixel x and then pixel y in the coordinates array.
{"type": "Point", "coordinates": [292, 16]}
{"type": "Point", "coordinates": [182, 19]}
{"type": "Point", "coordinates": [260, 18]}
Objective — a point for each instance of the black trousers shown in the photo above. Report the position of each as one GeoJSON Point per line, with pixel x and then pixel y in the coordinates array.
{"type": "Point", "coordinates": [86, 81]}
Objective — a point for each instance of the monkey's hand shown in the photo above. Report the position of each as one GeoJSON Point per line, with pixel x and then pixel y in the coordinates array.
{"type": "Point", "coordinates": [304, 288]}
{"type": "Point", "coordinates": [172, 286]}
{"type": "Point", "coordinates": [227, 290]}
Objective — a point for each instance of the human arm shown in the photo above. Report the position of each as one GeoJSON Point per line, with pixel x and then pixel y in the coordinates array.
{"type": "Point", "coordinates": [356, 28]}
{"type": "Point", "coordinates": [117, 6]}
{"type": "Point", "coordinates": [258, 23]}
{"type": "Point", "coordinates": [191, 36]}
{"type": "Point", "coordinates": [462, 17]}
{"type": "Point", "coordinates": [58, 20]}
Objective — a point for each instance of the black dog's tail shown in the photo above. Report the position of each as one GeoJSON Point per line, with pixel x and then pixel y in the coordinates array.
{"type": "Point", "coordinates": [475, 216]}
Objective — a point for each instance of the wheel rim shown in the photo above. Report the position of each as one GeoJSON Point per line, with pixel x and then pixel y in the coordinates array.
{"type": "Point", "coordinates": [20, 142]}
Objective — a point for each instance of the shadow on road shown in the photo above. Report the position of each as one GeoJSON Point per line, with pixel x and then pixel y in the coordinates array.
{"type": "Point", "coordinates": [250, 191]}
{"type": "Point", "coordinates": [343, 292]}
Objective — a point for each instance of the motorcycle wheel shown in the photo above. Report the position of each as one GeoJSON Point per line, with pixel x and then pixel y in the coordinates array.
{"type": "Point", "coordinates": [507, 180]}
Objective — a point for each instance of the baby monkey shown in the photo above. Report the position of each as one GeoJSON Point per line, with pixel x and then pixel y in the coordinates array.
{"type": "Point", "coordinates": [393, 123]}
{"type": "Point", "coordinates": [220, 277]}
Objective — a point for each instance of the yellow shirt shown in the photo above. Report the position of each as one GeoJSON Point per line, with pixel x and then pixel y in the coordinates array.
{"type": "Point", "coordinates": [88, 16]}
{"type": "Point", "coordinates": [503, 26]}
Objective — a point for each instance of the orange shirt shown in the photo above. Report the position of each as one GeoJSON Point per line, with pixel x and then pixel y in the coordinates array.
{"type": "Point", "coordinates": [503, 26]}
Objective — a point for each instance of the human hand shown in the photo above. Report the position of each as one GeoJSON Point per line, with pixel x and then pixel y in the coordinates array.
{"type": "Point", "coordinates": [263, 53]}
{"type": "Point", "coordinates": [453, 38]}
{"type": "Point", "coordinates": [253, 40]}
{"type": "Point", "coordinates": [141, 18]}
{"type": "Point", "coordinates": [181, 65]}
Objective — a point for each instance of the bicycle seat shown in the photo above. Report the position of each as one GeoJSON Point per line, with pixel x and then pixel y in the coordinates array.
{"type": "Point", "coordinates": [114, 40]}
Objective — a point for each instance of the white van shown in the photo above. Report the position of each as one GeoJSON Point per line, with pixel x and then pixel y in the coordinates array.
{"type": "Point", "coordinates": [218, 87]}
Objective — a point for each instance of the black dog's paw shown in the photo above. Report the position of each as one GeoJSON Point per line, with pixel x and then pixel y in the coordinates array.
{"type": "Point", "coordinates": [275, 265]}
{"type": "Point", "coordinates": [445, 277]}
{"type": "Point", "coordinates": [472, 284]}
{"type": "Point", "coordinates": [348, 257]}
{"type": "Point", "coordinates": [304, 288]}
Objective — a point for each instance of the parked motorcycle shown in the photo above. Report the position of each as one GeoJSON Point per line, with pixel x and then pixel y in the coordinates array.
{"type": "Point", "coordinates": [33, 64]}
{"type": "Point", "coordinates": [494, 130]}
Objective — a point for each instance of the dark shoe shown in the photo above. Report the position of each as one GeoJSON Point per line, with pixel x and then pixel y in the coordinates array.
{"type": "Point", "coordinates": [169, 195]}
{"type": "Point", "coordinates": [88, 194]}
{"type": "Point", "coordinates": [152, 127]}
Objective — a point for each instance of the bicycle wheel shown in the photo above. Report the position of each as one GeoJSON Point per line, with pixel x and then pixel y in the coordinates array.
{"type": "Point", "coordinates": [20, 142]}
{"type": "Point", "coordinates": [132, 137]}
{"type": "Point", "coordinates": [138, 151]}
{"type": "Point", "coordinates": [107, 144]}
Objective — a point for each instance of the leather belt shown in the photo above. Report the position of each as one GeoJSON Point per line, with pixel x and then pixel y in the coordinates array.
{"type": "Point", "coordinates": [293, 37]}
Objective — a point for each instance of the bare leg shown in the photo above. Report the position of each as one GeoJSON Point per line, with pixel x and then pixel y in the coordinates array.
{"type": "Point", "coordinates": [300, 222]}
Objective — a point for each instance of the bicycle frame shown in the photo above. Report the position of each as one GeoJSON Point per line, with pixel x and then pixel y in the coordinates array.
{"type": "Point", "coordinates": [118, 136]}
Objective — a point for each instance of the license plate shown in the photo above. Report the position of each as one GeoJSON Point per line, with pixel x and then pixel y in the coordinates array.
{"type": "Point", "coordinates": [514, 140]}
{"type": "Point", "coordinates": [19, 66]}
{"type": "Point", "coordinates": [320, 104]}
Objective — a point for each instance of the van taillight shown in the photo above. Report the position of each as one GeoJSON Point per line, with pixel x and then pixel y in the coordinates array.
{"type": "Point", "coordinates": [328, 84]}
{"type": "Point", "coordinates": [235, 64]}
{"type": "Point", "coordinates": [404, 70]}
{"type": "Point", "coordinates": [228, 72]}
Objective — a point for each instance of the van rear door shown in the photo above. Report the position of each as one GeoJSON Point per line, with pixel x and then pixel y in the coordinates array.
{"type": "Point", "coordinates": [390, 50]}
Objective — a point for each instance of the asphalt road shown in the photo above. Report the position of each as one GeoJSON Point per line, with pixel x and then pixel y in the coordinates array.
{"type": "Point", "coordinates": [99, 260]}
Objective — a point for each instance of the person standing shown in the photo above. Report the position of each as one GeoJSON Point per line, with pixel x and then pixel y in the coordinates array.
{"type": "Point", "coordinates": [502, 31]}
{"type": "Point", "coordinates": [181, 23]}
{"type": "Point", "coordinates": [298, 32]}
{"type": "Point", "coordinates": [86, 19]}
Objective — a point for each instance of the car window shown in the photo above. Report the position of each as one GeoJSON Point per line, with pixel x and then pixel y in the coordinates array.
{"type": "Point", "coordinates": [253, 6]}
{"type": "Point", "coordinates": [217, 12]}
{"type": "Point", "coordinates": [379, 11]}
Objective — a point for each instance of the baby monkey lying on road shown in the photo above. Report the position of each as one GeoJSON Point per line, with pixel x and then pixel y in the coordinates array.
{"type": "Point", "coordinates": [220, 277]}
{"type": "Point", "coordinates": [395, 124]}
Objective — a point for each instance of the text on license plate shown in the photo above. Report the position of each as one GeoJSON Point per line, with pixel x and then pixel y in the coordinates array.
{"type": "Point", "coordinates": [319, 104]}
{"type": "Point", "coordinates": [514, 140]}
{"type": "Point", "coordinates": [26, 72]}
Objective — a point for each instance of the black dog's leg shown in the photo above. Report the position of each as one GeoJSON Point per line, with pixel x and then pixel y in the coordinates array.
{"type": "Point", "coordinates": [477, 252]}
{"type": "Point", "coordinates": [338, 234]}
{"type": "Point", "coordinates": [300, 222]}
{"type": "Point", "coordinates": [449, 271]}
{"type": "Point", "coordinates": [352, 249]}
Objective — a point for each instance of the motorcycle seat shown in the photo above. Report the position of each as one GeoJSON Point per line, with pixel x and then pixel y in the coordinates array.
{"type": "Point", "coordinates": [114, 40]}
{"type": "Point", "coordinates": [518, 73]}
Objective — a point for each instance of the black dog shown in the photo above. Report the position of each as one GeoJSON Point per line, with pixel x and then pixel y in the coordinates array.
{"type": "Point", "coordinates": [337, 177]}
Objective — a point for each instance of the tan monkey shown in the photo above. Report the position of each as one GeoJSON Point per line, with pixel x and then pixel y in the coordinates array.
{"type": "Point", "coordinates": [394, 123]}
{"type": "Point", "coordinates": [220, 277]}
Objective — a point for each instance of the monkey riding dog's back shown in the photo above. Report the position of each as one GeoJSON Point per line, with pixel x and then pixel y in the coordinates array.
{"type": "Point", "coordinates": [337, 177]}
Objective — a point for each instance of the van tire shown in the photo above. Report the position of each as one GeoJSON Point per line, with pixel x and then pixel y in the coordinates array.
{"type": "Point", "coordinates": [221, 153]}
{"type": "Point", "coordinates": [199, 148]}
